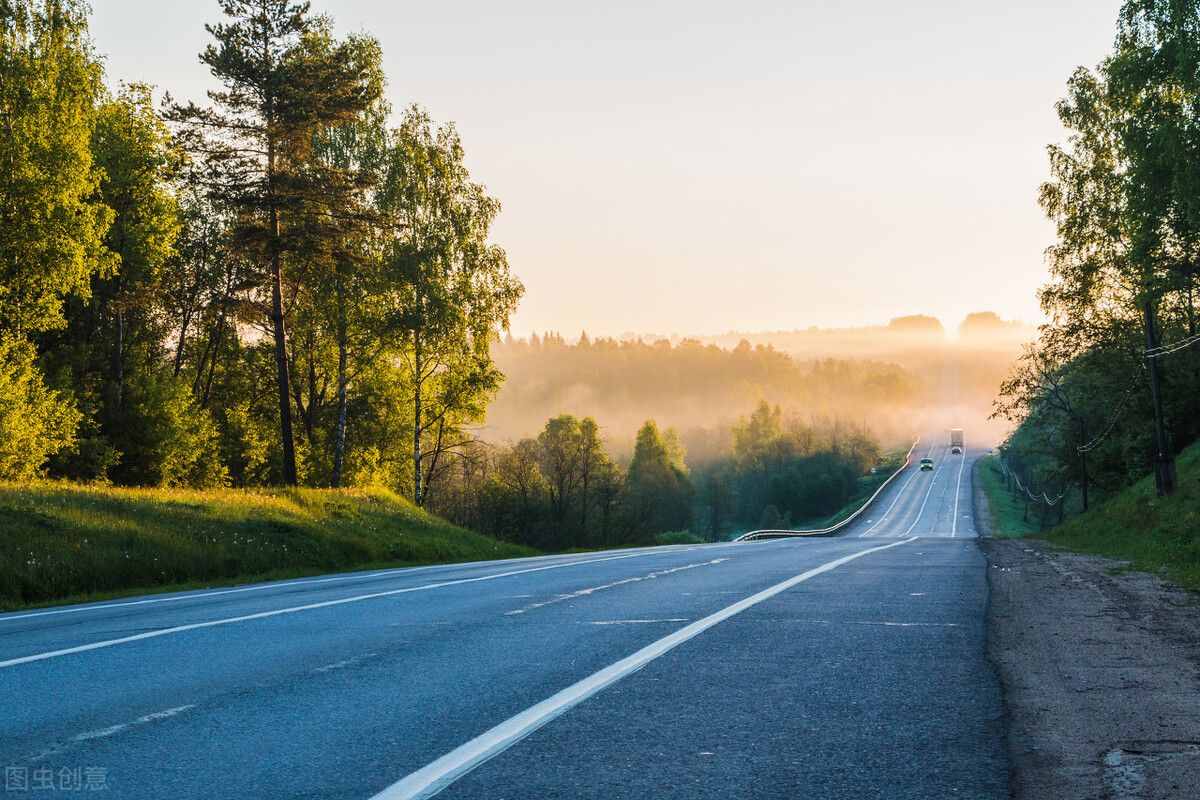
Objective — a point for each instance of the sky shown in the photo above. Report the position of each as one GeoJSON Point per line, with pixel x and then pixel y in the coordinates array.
{"type": "Point", "coordinates": [694, 167]}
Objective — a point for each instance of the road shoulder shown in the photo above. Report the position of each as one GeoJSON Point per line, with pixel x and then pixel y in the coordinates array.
{"type": "Point", "coordinates": [1101, 674]}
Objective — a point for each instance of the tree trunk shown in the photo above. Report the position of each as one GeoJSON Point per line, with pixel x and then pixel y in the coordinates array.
{"type": "Point", "coordinates": [418, 368]}
{"type": "Point", "coordinates": [339, 438]}
{"type": "Point", "coordinates": [216, 340]}
{"type": "Point", "coordinates": [183, 327]}
{"type": "Point", "coordinates": [118, 363]}
{"type": "Point", "coordinates": [1083, 468]}
{"type": "Point", "coordinates": [1164, 463]}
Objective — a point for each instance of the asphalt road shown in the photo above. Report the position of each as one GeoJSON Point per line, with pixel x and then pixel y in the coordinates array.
{"type": "Point", "coordinates": [848, 667]}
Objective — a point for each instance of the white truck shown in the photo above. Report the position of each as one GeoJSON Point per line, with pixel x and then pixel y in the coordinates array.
{"type": "Point", "coordinates": [956, 441]}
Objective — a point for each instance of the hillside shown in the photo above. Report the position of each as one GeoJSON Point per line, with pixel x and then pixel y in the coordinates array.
{"type": "Point", "coordinates": [66, 541]}
{"type": "Point", "coordinates": [1160, 535]}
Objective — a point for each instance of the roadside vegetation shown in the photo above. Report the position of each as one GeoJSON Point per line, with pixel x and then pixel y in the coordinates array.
{"type": "Point", "coordinates": [1008, 510]}
{"type": "Point", "coordinates": [1111, 389]}
{"type": "Point", "coordinates": [1154, 534]}
{"type": "Point", "coordinates": [63, 541]}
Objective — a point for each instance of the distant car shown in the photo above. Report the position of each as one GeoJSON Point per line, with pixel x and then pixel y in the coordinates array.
{"type": "Point", "coordinates": [926, 465]}
{"type": "Point", "coordinates": [957, 451]}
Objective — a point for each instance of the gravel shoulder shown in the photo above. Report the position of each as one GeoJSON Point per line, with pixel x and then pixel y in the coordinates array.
{"type": "Point", "coordinates": [1101, 674]}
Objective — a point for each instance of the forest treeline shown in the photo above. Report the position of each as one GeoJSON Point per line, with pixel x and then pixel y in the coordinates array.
{"type": "Point", "coordinates": [1111, 389]}
{"type": "Point", "coordinates": [287, 283]}
{"type": "Point", "coordinates": [564, 489]}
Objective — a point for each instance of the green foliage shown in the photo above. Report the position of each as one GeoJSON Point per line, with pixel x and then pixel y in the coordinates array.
{"type": "Point", "coordinates": [1124, 195]}
{"type": "Point", "coordinates": [51, 226]}
{"type": "Point", "coordinates": [783, 472]}
{"type": "Point", "coordinates": [62, 541]}
{"type": "Point", "coordinates": [1160, 535]}
{"type": "Point", "coordinates": [1010, 514]}
{"type": "Point", "coordinates": [35, 422]}
{"type": "Point", "coordinates": [452, 290]}
{"type": "Point", "coordinates": [678, 537]}
{"type": "Point", "coordinates": [658, 491]}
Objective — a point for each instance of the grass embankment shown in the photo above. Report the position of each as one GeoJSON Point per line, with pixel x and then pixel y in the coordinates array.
{"type": "Point", "coordinates": [61, 541]}
{"type": "Point", "coordinates": [1154, 534]}
{"type": "Point", "coordinates": [1007, 509]}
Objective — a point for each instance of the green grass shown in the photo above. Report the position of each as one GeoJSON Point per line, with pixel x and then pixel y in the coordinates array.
{"type": "Point", "coordinates": [62, 541]}
{"type": "Point", "coordinates": [1159, 535]}
{"type": "Point", "coordinates": [679, 537]}
{"type": "Point", "coordinates": [1006, 507]}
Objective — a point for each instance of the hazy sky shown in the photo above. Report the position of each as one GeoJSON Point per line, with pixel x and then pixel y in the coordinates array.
{"type": "Point", "coordinates": [692, 166]}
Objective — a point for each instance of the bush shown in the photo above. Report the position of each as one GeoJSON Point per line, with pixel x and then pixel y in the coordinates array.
{"type": "Point", "coordinates": [35, 422]}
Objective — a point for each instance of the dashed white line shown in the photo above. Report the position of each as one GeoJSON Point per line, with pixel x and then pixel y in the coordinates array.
{"type": "Point", "coordinates": [899, 497]}
{"type": "Point", "coordinates": [593, 589]}
{"type": "Point", "coordinates": [432, 778]}
{"type": "Point", "coordinates": [957, 493]}
{"type": "Point", "coordinates": [113, 730]}
{"type": "Point", "coordinates": [83, 648]}
{"type": "Point", "coordinates": [637, 621]}
{"type": "Point", "coordinates": [932, 483]}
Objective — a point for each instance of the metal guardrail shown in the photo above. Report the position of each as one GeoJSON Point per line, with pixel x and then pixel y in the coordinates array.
{"type": "Point", "coordinates": [832, 530]}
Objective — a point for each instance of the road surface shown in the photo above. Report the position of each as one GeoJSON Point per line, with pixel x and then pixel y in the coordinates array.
{"type": "Point", "coordinates": [849, 667]}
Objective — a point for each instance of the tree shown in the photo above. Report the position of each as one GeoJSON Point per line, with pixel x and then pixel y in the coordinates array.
{"type": "Point", "coordinates": [51, 225]}
{"type": "Point", "coordinates": [35, 421]}
{"type": "Point", "coordinates": [560, 452]}
{"type": "Point", "coordinates": [352, 274]}
{"type": "Point", "coordinates": [658, 490]}
{"type": "Point", "coordinates": [112, 348]}
{"type": "Point", "coordinates": [283, 82]}
{"type": "Point", "coordinates": [453, 292]}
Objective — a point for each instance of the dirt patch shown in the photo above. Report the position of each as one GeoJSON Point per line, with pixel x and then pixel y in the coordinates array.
{"type": "Point", "coordinates": [1101, 673]}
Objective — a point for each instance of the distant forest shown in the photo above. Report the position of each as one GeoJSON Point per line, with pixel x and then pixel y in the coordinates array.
{"type": "Point", "coordinates": [894, 380]}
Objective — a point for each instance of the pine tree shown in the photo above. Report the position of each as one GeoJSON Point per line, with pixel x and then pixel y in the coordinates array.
{"type": "Point", "coordinates": [284, 81]}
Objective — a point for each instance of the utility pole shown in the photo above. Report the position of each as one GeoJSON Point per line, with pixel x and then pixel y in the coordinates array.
{"type": "Point", "coordinates": [1164, 462]}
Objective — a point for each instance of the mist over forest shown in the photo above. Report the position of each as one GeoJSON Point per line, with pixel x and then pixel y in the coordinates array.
{"type": "Point", "coordinates": [894, 380]}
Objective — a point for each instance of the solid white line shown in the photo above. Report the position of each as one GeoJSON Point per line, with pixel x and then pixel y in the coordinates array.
{"type": "Point", "coordinates": [258, 587]}
{"type": "Point", "coordinates": [83, 648]}
{"type": "Point", "coordinates": [432, 778]}
{"type": "Point", "coordinates": [957, 494]}
{"type": "Point", "coordinates": [921, 513]}
{"type": "Point", "coordinates": [899, 496]}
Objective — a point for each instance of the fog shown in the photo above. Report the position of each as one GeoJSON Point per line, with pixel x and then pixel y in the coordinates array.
{"type": "Point", "coordinates": [909, 377]}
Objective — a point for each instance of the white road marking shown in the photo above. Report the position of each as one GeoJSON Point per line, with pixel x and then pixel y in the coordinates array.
{"type": "Point", "coordinates": [932, 483]}
{"type": "Point", "coordinates": [83, 648]}
{"type": "Point", "coordinates": [636, 621]}
{"type": "Point", "coordinates": [345, 663]}
{"type": "Point", "coordinates": [957, 493]}
{"type": "Point", "coordinates": [432, 778]}
{"type": "Point", "coordinates": [104, 733]}
{"type": "Point", "coordinates": [880, 623]}
{"type": "Point", "coordinates": [592, 590]}
{"type": "Point", "coordinates": [886, 514]}
{"type": "Point", "coordinates": [258, 587]}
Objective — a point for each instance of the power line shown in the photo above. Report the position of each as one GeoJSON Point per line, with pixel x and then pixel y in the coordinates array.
{"type": "Point", "coordinates": [1168, 349]}
{"type": "Point", "coordinates": [1112, 423]}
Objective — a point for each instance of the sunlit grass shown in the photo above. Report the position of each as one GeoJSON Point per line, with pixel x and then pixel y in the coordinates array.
{"type": "Point", "coordinates": [62, 540]}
